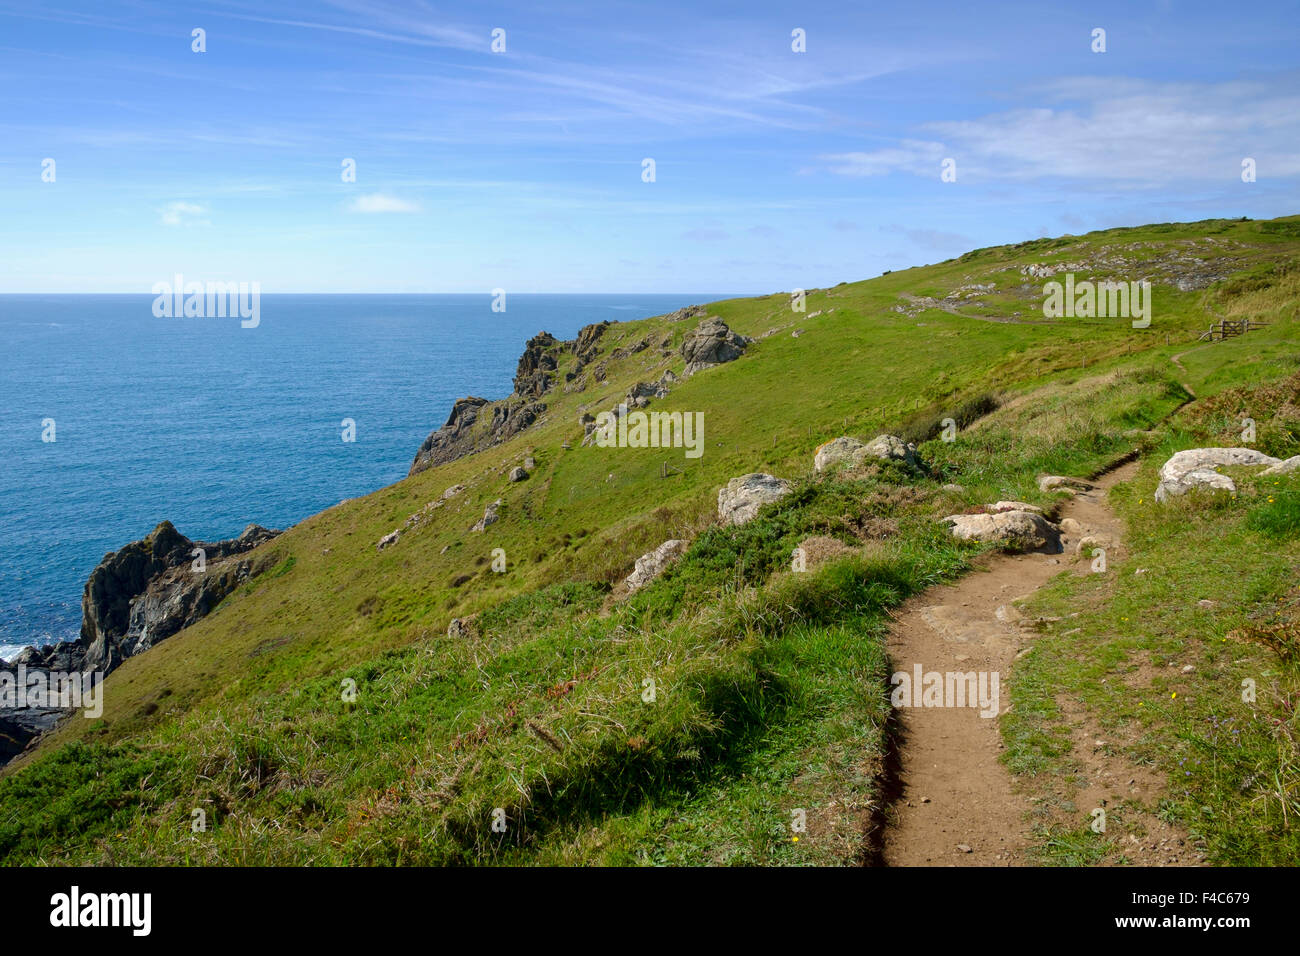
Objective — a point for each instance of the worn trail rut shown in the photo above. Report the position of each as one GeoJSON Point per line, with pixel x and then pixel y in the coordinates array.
{"type": "Point", "coordinates": [956, 805]}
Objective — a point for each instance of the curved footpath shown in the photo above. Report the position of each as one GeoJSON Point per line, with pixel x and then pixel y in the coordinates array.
{"type": "Point", "coordinates": [956, 803]}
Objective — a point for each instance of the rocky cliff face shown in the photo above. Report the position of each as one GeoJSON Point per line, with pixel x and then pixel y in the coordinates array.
{"type": "Point", "coordinates": [138, 596]}
{"type": "Point", "coordinates": [533, 375]}
{"type": "Point", "coordinates": [150, 589]}
{"type": "Point", "coordinates": [145, 592]}
{"type": "Point", "coordinates": [453, 439]}
{"type": "Point", "coordinates": [468, 429]}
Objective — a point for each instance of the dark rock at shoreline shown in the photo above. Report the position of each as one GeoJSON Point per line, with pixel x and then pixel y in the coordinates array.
{"type": "Point", "coordinates": [20, 726]}
{"type": "Point", "coordinates": [145, 592]}
{"type": "Point", "coordinates": [137, 596]}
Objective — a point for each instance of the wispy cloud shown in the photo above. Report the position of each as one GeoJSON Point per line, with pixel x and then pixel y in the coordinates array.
{"type": "Point", "coordinates": [1107, 129]}
{"type": "Point", "coordinates": [180, 213]}
{"type": "Point", "coordinates": [420, 33]}
{"type": "Point", "coordinates": [380, 202]}
{"type": "Point", "coordinates": [910, 156]}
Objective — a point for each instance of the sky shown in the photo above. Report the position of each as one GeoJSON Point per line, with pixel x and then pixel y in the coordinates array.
{"type": "Point", "coordinates": [524, 168]}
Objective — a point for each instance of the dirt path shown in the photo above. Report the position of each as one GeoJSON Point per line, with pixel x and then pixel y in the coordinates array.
{"type": "Point", "coordinates": [1178, 363]}
{"type": "Point", "coordinates": [956, 805]}
{"type": "Point", "coordinates": [953, 308]}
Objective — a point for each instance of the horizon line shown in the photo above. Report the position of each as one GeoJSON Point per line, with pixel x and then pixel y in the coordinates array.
{"type": "Point", "coordinates": [488, 293]}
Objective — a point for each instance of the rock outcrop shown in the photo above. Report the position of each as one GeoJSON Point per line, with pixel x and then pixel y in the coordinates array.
{"type": "Point", "coordinates": [1014, 530]}
{"type": "Point", "coordinates": [20, 726]}
{"type": "Point", "coordinates": [639, 395]}
{"type": "Point", "coordinates": [690, 312]}
{"type": "Point", "coordinates": [533, 375]}
{"type": "Point", "coordinates": [1014, 506]}
{"type": "Point", "coordinates": [586, 344]}
{"type": "Point", "coordinates": [740, 500]}
{"type": "Point", "coordinates": [453, 439]}
{"type": "Point", "coordinates": [459, 436]}
{"type": "Point", "coordinates": [468, 430]}
{"type": "Point", "coordinates": [1195, 468]}
{"type": "Point", "coordinates": [490, 517]}
{"type": "Point", "coordinates": [851, 452]}
{"type": "Point", "coordinates": [137, 596]}
{"type": "Point", "coordinates": [147, 591]}
{"type": "Point", "coordinates": [654, 563]}
{"type": "Point", "coordinates": [711, 343]}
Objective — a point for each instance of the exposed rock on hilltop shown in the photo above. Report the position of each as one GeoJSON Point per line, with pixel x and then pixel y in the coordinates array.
{"type": "Point", "coordinates": [690, 312]}
{"type": "Point", "coordinates": [468, 429]}
{"type": "Point", "coordinates": [712, 343]}
{"type": "Point", "coordinates": [1177, 267]}
{"type": "Point", "coordinates": [532, 376]}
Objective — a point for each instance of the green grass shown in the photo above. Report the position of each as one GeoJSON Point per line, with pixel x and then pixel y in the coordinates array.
{"type": "Point", "coordinates": [1121, 642]}
{"type": "Point", "coordinates": [770, 686]}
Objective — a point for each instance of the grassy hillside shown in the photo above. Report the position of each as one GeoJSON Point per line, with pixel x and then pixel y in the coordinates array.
{"type": "Point", "coordinates": [768, 690]}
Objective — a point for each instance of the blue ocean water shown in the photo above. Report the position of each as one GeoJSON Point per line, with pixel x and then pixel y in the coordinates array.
{"type": "Point", "coordinates": [213, 426]}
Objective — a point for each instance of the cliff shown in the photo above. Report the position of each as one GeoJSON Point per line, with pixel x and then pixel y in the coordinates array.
{"type": "Point", "coordinates": [469, 429]}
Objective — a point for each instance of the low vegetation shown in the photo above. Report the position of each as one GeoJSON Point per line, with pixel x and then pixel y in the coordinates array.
{"type": "Point", "coordinates": [324, 714]}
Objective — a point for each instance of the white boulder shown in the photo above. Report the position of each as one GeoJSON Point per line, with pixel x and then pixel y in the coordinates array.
{"type": "Point", "coordinates": [740, 500]}
{"type": "Point", "coordinates": [1194, 468]}
{"type": "Point", "coordinates": [649, 566]}
{"type": "Point", "coordinates": [850, 451]}
{"type": "Point", "coordinates": [1017, 530]}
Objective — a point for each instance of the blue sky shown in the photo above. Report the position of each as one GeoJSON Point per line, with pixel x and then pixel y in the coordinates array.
{"type": "Point", "coordinates": [523, 170]}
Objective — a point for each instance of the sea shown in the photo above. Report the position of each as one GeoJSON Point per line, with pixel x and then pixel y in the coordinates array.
{"type": "Point", "coordinates": [113, 419]}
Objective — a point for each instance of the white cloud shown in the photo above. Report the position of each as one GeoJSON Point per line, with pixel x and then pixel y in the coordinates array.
{"type": "Point", "coordinates": [1137, 132]}
{"type": "Point", "coordinates": [909, 156]}
{"type": "Point", "coordinates": [379, 202]}
{"type": "Point", "coordinates": [183, 214]}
